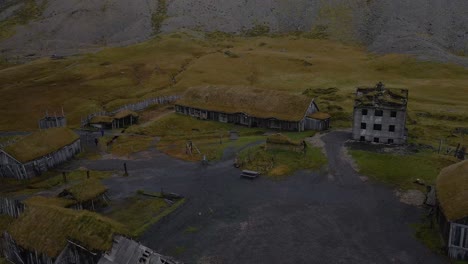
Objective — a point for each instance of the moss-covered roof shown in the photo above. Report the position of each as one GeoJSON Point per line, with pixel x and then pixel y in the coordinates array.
{"type": "Point", "coordinates": [41, 143]}
{"type": "Point", "coordinates": [87, 190]}
{"type": "Point", "coordinates": [319, 116]}
{"type": "Point", "coordinates": [47, 229]}
{"type": "Point", "coordinates": [54, 201]}
{"type": "Point", "coordinates": [250, 101]}
{"type": "Point", "coordinates": [380, 96]}
{"type": "Point", "coordinates": [452, 191]}
{"type": "Point", "coordinates": [101, 120]}
{"type": "Point", "coordinates": [281, 139]}
{"type": "Point", "coordinates": [125, 113]}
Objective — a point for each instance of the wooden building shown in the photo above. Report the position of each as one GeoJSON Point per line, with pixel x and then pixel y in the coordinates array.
{"type": "Point", "coordinates": [452, 213]}
{"type": "Point", "coordinates": [50, 234]}
{"type": "Point", "coordinates": [252, 107]}
{"type": "Point", "coordinates": [89, 195]}
{"type": "Point", "coordinates": [124, 118]}
{"type": "Point", "coordinates": [52, 121]}
{"type": "Point", "coordinates": [282, 142]}
{"type": "Point", "coordinates": [38, 152]}
{"type": "Point", "coordinates": [102, 121]}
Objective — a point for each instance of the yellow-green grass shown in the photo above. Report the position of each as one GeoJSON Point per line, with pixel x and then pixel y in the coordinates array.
{"type": "Point", "coordinates": [140, 212]}
{"type": "Point", "coordinates": [429, 235]}
{"type": "Point", "coordinates": [48, 228]}
{"type": "Point", "coordinates": [51, 201]}
{"type": "Point", "coordinates": [115, 76]}
{"type": "Point", "coordinates": [401, 170]}
{"type": "Point", "coordinates": [5, 221]}
{"type": "Point", "coordinates": [278, 163]}
{"type": "Point", "coordinates": [87, 190]}
{"type": "Point", "coordinates": [126, 145]}
{"type": "Point", "coordinates": [41, 143]}
{"type": "Point", "coordinates": [452, 184]}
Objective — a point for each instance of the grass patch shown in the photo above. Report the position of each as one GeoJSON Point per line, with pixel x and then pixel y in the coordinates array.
{"type": "Point", "coordinates": [139, 213]}
{"type": "Point", "coordinates": [191, 229]}
{"type": "Point", "coordinates": [400, 170]}
{"type": "Point", "coordinates": [126, 145]}
{"type": "Point", "coordinates": [29, 10]}
{"type": "Point", "coordinates": [158, 17]}
{"type": "Point", "coordinates": [279, 163]}
{"type": "Point", "coordinates": [430, 237]}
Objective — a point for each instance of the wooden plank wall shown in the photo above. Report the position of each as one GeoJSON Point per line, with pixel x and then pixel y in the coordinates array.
{"type": "Point", "coordinates": [51, 121]}
{"type": "Point", "coordinates": [11, 207]}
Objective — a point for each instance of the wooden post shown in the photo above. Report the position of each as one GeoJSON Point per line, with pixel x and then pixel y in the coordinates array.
{"type": "Point", "coordinates": [125, 169]}
{"type": "Point", "coordinates": [440, 146]}
{"type": "Point", "coordinates": [64, 175]}
{"type": "Point", "coordinates": [87, 174]}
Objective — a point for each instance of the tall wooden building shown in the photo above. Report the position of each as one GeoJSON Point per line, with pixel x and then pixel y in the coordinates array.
{"type": "Point", "coordinates": [452, 213]}
{"type": "Point", "coordinates": [253, 107]}
{"type": "Point", "coordinates": [38, 152]}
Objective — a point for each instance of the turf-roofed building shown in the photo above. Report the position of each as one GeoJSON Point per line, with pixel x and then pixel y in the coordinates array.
{"type": "Point", "coordinates": [452, 194]}
{"type": "Point", "coordinates": [253, 107]}
{"type": "Point", "coordinates": [48, 233]}
{"type": "Point", "coordinates": [38, 152]}
{"type": "Point", "coordinates": [380, 115]}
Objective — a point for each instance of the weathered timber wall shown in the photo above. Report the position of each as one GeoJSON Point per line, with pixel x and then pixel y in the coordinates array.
{"type": "Point", "coordinates": [11, 207]}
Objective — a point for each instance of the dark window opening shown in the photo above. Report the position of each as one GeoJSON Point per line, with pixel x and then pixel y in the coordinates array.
{"type": "Point", "coordinates": [376, 140]}
{"type": "Point", "coordinates": [378, 112]}
{"type": "Point", "coordinates": [391, 128]}
{"type": "Point", "coordinates": [393, 114]}
{"type": "Point", "coordinates": [390, 141]}
{"type": "Point", "coordinates": [364, 111]}
{"type": "Point", "coordinates": [362, 139]}
{"type": "Point", "coordinates": [363, 125]}
{"type": "Point", "coordinates": [377, 127]}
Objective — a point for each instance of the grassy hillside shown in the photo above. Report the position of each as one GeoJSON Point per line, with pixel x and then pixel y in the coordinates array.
{"type": "Point", "coordinates": [172, 63]}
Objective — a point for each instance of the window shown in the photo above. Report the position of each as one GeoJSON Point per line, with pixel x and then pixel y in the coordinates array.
{"type": "Point", "coordinates": [364, 111]}
{"type": "Point", "coordinates": [376, 140]}
{"type": "Point", "coordinates": [362, 139]}
{"type": "Point", "coordinates": [378, 112]}
{"type": "Point", "coordinates": [390, 141]}
{"type": "Point", "coordinates": [378, 127]}
{"type": "Point", "coordinates": [393, 114]}
{"type": "Point", "coordinates": [363, 125]}
{"type": "Point", "coordinates": [391, 128]}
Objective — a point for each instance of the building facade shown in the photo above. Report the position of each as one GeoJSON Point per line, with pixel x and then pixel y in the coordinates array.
{"type": "Point", "coordinates": [380, 115]}
{"type": "Point", "coordinates": [253, 108]}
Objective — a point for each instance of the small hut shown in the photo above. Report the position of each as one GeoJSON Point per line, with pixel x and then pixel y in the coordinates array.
{"type": "Point", "coordinates": [282, 142]}
{"type": "Point", "coordinates": [452, 213]}
{"type": "Point", "coordinates": [89, 194]}
{"type": "Point", "coordinates": [38, 152]}
{"type": "Point", "coordinates": [52, 121]}
{"type": "Point", "coordinates": [124, 118]}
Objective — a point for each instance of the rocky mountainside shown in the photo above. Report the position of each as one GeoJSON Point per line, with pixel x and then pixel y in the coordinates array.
{"type": "Point", "coordinates": [430, 29]}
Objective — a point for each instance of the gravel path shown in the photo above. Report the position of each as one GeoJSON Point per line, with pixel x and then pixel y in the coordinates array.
{"type": "Point", "coordinates": [330, 216]}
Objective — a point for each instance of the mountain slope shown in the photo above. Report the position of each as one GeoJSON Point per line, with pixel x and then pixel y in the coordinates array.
{"type": "Point", "coordinates": [431, 29]}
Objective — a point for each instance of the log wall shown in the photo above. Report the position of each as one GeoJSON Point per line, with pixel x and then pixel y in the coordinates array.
{"type": "Point", "coordinates": [11, 207]}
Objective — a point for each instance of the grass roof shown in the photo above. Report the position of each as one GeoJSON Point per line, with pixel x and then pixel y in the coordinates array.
{"type": "Point", "coordinates": [54, 201]}
{"type": "Point", "coordinates": [101, 119]}
{"type": "Point", "coordinates": [320, 116]}
{"type": "Point", "coordinates": [47, 229]}
{"type": "Point", "coordinates": [87, 190]}
{"type": "Point", "coordinates": [452, 191]}
{"type": "Point", "coordinates": [251, 101]}
{"type": "Point", "coordinates": [41, 143]}
{"type": "Point", "coordinates": [376, 97]}
{"type": "Point", "coordinates": [125, 113]}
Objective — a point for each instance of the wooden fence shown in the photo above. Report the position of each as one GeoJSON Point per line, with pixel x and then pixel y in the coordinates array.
{"type": "Point", "coordinates": [10, 207]}
{"type": "Point", "coordinates": [140, 106]}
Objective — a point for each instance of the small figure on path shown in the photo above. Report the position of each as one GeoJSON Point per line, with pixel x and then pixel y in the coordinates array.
{"type": "Point", "coordinates": [96, 141]}
{"type": "Point", "coordinates": [102, 132]}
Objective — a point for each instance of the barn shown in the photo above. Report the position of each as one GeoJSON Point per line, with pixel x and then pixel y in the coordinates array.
{"type": "Point", "coordinates": [252, 107]}
{"type": "Point", "coordinates": [452, 213]}
{"type": "Point", "coordinates": [38, 152]}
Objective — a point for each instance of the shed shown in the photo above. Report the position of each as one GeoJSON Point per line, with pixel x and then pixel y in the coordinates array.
{"type": "Point", "coordinates": [318, 121]}
{"type": "Point", "coordinates": [280, 141]}
{"type": "Point", "coordinates": [452, 195]}
{"type": "Point", "coordinates": [124, 118]}
{"type": "Point", "coordinates": [101, 122]}
{"type": "Point", "coordinates": [89, 194]}
{"type": "Point", "coordinates": [38, 152]}
{"type": "Point", "coordinates": [247, 106]}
